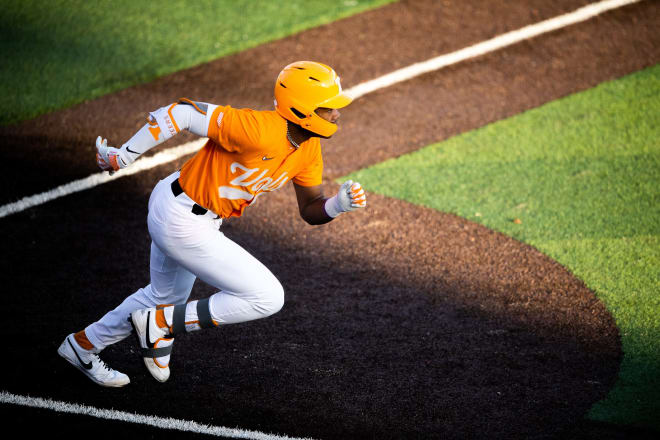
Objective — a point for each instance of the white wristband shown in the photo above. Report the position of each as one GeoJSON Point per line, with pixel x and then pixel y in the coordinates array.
{"type": "Point", "coordinates": [332, 207]}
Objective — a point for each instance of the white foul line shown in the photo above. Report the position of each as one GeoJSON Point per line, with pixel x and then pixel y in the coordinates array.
{"type": "Point", "coordinates": [159, 422]}
{"type": "Point", "coordinates": [358, 91]}
{"type": "Point", "coordinates": [145, 163]}
{"type": "Point", "coordinates": [487, 46]}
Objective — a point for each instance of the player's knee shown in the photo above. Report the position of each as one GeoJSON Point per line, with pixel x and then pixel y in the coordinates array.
{"type": "Point", "coordinates": [273, 300]}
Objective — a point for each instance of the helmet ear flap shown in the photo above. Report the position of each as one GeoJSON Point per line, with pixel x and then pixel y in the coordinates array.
{"type": "Point", "coordinates": [308, 123]}
{"type": "Point", "coordinates": [298, 113]}
{"type": "Point", "coordinates": [303, 119]}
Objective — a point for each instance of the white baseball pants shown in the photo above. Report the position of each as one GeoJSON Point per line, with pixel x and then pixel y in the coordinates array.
{"type": "Point", "coordinates": [184, 247]}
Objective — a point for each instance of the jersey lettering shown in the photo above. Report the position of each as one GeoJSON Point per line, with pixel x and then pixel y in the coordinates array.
{"type": "Point", "coordinates": [241, 179]}
{"type": "Point", "coordinates": [257, 185]}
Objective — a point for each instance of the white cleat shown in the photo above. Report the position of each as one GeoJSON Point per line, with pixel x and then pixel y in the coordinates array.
{"type": "Point", "coordinates": [155, 343]}
{"type": "Point", "coordinates": [91, 364]}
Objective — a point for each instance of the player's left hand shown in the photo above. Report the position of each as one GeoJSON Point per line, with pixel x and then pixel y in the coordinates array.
{"type": "Point", "coordinates": [355, 196]}
{"type": "Point", "coordinates": [108, 158]}
{"type": "Point", "coordinates": [351, 196]}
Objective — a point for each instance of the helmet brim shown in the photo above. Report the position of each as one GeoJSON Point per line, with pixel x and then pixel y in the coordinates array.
{"type": "Point", "coordinates": [338, 101]}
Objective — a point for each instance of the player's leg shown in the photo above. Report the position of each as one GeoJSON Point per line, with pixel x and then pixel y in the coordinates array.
{"type": "Point", "coordinates": [170, 284]}
{"type": "Point", "coordinates": [247, 289]}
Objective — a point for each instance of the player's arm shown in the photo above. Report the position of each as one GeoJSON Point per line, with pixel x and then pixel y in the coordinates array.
{"type": "Point", "coordinates": [315, 209]}
{"type": "Point", "coordinates": [161, 125]}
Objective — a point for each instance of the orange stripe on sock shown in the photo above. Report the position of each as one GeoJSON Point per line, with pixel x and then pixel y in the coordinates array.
{"type": "Point", "coordinates": [216, 323]}
{"type": "Point", "coordinates": [81, 339]}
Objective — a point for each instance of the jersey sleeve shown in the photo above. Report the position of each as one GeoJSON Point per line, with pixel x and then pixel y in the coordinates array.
{"type": "Point", "coordinates": [312, 174]}
{"type": "Point", "coordinates": [235, 130]}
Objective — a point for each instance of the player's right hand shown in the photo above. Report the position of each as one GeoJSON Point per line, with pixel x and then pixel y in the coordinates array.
{"type": "Point", "coordinates": [108, 158]}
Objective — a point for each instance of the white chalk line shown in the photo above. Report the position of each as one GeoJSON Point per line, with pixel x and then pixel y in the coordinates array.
{"type": "Point", "coordinates": [356, 92]}
{"type": "Point", "coordinates": [503, 40]}
{"type": "Point", "coordinates": [145, 163]}
{"type": "Point", "coordinates": [158, 422]}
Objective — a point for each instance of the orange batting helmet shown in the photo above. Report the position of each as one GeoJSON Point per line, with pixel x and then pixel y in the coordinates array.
{"type": "Point", "coordinates": [304, 86]}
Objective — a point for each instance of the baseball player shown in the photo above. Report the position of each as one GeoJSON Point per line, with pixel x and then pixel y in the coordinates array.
{"type": "Point", "coordinates": [248, 153]}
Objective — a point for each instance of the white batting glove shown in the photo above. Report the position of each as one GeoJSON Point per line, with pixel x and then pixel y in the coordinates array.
{"type": "Point", "coordinates": [350, 197]}
{"type": "Point", "coordinates": [110, 158]}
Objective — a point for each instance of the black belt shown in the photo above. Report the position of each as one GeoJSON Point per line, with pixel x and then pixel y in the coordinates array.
{"type": "Point", "coordinates": [177, 190]}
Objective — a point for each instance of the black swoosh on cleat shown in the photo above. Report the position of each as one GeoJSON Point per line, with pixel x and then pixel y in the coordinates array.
{"type": "Point", "coordinates": [88, 365]}
{"type": "Point", "coordinates": [149, 344]}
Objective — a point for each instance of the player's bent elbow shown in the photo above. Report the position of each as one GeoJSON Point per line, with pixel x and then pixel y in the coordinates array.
{"type": "Point", "coordinates": [308, 220]}
{"type": "Point", "coordinates": [315, 219]}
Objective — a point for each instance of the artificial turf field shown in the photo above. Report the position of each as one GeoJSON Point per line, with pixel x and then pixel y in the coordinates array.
{"type": "Point", "coordinates": [444, 328]}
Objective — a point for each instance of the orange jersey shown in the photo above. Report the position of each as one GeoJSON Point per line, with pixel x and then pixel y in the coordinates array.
{"type": "Point", "coordinates": [247, 153]}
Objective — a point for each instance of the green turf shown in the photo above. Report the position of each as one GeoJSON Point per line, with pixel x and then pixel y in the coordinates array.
{"type": "Point", "coordinates": [583, 176]}
{"type": "Point", "coordinates": [59, 53]}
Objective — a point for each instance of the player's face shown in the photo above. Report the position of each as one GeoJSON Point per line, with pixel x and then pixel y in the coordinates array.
{"type": "Point", "coordinates": [329, 114]}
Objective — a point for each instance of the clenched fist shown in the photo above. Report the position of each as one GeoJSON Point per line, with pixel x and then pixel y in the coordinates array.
{"type": "Point", "coordinates": [350, 197]}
